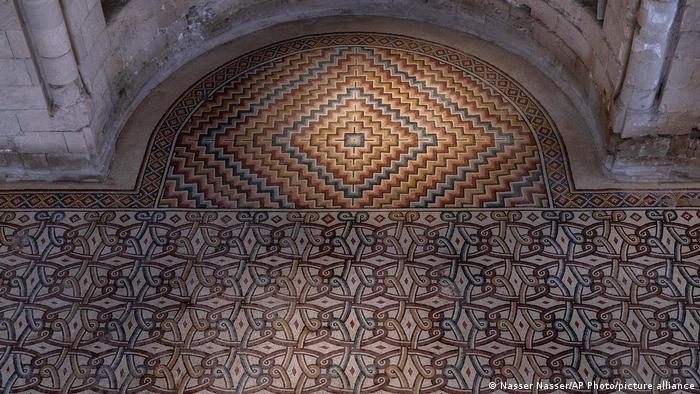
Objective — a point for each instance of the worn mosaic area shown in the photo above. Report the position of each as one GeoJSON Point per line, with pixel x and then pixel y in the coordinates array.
{"type": "Point", "coordinates": [354, 120]}
{"type": "Point", "coordinates": [346, 301]}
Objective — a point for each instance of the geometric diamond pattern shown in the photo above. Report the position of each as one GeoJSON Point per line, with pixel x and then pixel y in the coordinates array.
{"type": "Point", "coordinates": [352, 126]}
{"type": "Point", "coordinates": [112, 290]}
{"type": "Point", "coordinates": [349, 120]}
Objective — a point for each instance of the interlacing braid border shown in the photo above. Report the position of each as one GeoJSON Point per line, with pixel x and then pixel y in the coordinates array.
{"type": "Point", "coordinates": [345, 302]}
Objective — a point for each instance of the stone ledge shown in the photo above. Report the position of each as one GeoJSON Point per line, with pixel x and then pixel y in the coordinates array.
{"type": "Point", "coordinates": [50, 167]}
{"type": "Point", "coordinates": [656, 158]}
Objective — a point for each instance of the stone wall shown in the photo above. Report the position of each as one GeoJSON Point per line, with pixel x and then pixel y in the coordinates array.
{"type": "Point", "coordinates": [45, 113]}
{"type": "Point", "coordinates": [144, 41]}
{"type": "Point", "coordinates": [680, 97]}
{"type": "Point", "coordinates": [656, 114]}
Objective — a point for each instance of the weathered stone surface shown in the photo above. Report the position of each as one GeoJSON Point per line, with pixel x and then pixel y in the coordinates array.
{"type": "Point", "coordinates": [8, 17]}
{"type": "Point", "coordinates": [94, 61]}
{"type": "Point", "coordinates": [39, 120]}
{"type": "Point", "coordinates": [11, 161]}
{"type": "Point", "coordinates": [18, 44]}
{"type": "Point", "coordinates": [659, 158]}
{"type": "Point", "coordinates": [146, 40]}
{"type": "Point", "coordinates": [5, 50]}
{"type": "Point", "coordinates": [41, 142]}
{"type": "Point", "coordinates": [22, 97]}
{"type": "Point", "coordinates": [68, 161]}
{"type": "Point", "coordinates": [60, 70]}
{"type": "Point", "coordinates": [8, 123]}
{"type": "Point", "coordinates": [76, 142]}
{"type": "Point", "coordinates": [691, 16]}
{"type": "Point", "coordinates": [92, 26]}
{"type": "Point", "coordinates": [14, 73]}
{"type": "Point", "coordinates": [54, 42]}
{"type": "Point", "coordinates": [36, 161]}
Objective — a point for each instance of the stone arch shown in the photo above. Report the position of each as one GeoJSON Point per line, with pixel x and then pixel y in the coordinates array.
{"type": "Point", "coordinates": [585, 51]}
{"type": "Point", "coordinates": [548, 34]}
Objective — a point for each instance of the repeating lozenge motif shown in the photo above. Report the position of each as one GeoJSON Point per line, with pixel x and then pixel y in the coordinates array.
{"type": "Point", "coordinates": [398, 301]}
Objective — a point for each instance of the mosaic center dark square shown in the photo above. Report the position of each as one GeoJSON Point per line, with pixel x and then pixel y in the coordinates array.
{"type": "Point", "coordinates": [354, 140]}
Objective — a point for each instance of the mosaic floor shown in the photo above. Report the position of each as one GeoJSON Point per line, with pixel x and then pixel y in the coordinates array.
{"type": "Point", "coordinates": [351, 212]}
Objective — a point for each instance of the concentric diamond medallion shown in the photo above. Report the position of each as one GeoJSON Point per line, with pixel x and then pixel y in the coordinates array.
{"type": "Point", "coordinates": [353, 127]}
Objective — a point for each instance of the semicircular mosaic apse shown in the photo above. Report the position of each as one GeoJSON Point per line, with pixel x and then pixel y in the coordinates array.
{"type": "Point", "coordinates": [357, 121]}
{"type": "Point", "coordinates": [353, 120]}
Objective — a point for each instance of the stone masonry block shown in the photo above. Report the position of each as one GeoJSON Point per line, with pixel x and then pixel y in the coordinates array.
{"type": "Point", "coordinates": [573, 38]}
{"type": "Point", "coordinates": [6, 144]}
{"type": "Point", "coordinates": [14, 73]}
{"type": "Point", "coordinates": [92, 63]}
{"type": "Point", "coordinates": [168, 14]}
{"type": "Point", "coordinates": [41, 142]}
{"type": "Point", "coordinates": [562, 53]}
{"type": "Point", "coordinates": [545, 13]}
{"type": "Point", "coordinates": [8, 123]}
{"type": "Point", "coordinates": [614, 69]}
{"type": "Point", "coordinates": [52, 42]}
{"type": "Point", "coordinates": [67, 96]}
{"type": "Point", "coordinates": [688, 45]}
{"type": "Point", "coordinates": [496, 9]}
{"type": "Point", "coordinates": [68, 161]}
{"type": "Point", "coordinates": [76, 142]}
{"type": "Point", "coordinates": [18, 44]}
{"type": "Point", "coordinates": [102, 107]}
{"type": "Point", "coordinates": [90, 4]}
{"type": "Point", "coordinates": [691, 18]}
{"type": "Point", "coordinates": [573, 11]}
{"type": "Point", "coordinates": [592, 30]}
{"type": "Point", "coordinates": [42, 14]}
{"type": "Point", "coordinates": [31, 70]}
{"type": "Point", "coordinates": [5, 50]}
{"type": "Point", "coordinates": [557, 4]}
{"type": "Point", "coordinates": [75, 11]}
{"type": "Point", "coordinates": [79, 47]}
{"type": "Point", "coordinates": [22, 97]}
{"type": "Point", "coordinates": [10, 160]}
{"type": "Point", "coordinates": [98, 85]}
{"type": "Point", "coordinates": [92, 26]}
{"type": "Point", "coordinates": [147, 29]}
{"type": "Point", "coordinates": [64, 120]}
{"type": "Point", "coordinates": [696, 75]}
{"type": "Point", "coordinates": [621, 9]}
{"type": "Point", "coordinates": [8, 16]}
{"type": "Point", "coordinates": [600, 77]}
{"type": "Point", "coordinates": [678, 100]}
{"type": "Point", "coordinates": [34, 161]}
{"type": "Point", "coordinates": [582, 73]}
{"type": "Point", "coordinates": [683, 74]}
{"type": "Point", "coordinates": [61, 70]}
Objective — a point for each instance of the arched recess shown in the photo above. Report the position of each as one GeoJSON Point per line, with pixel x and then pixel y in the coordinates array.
{"type": "Point", "coordinates": [147, 41]}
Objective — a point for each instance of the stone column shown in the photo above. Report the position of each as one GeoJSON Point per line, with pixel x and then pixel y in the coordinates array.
{"type": "Point", "coordinates": [636, 102]}
{"type": "Point", "coordinates": [53, 52]}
